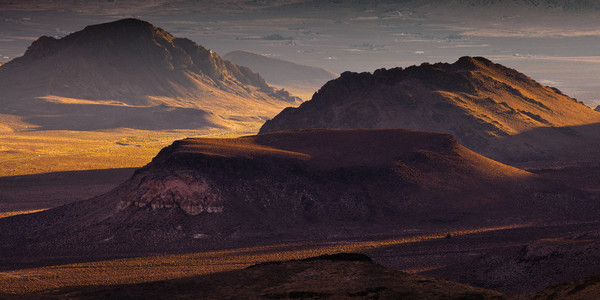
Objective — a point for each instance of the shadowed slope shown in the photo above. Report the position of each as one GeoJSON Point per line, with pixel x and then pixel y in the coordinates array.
{"type": "Point", "coordinates": [475, 100]}
{"type": "Point", "coordinates": [107, 72]}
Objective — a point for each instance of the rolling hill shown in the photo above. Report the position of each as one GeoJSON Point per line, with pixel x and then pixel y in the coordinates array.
{"type": "Point", "coordinates": [484, 105]}
{"type": "Point", "coordinates": [129, 73]}
{"type": "Point", "coordinates": [299, 79]}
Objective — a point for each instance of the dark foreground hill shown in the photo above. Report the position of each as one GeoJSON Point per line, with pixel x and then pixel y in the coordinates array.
{"type": "Point", "coordinates": [129, 73]}
{"type": "Point", "coordinates": [294, 77]}
{"type": "Point", "coordinates": [309, 184]}
{"type": "Point", "coordinates": [339, 276]}
{"type": "Point", "coordinates": [487, 107]}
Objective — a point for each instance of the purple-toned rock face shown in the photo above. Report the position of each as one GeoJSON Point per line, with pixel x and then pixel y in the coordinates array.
{"type": "Point", "coordinates": [192, 194]}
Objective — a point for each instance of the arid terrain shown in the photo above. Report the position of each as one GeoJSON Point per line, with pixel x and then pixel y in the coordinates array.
{"type": "Point", "coordinates": [491, 109]}
{"type": "Point", "coordinates": [423, 203]}
{"type": "Point", "coordinates": [452, 152]}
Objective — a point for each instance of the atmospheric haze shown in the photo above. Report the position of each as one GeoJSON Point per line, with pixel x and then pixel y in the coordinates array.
{"type": "Point", "coordinates": [425, 149]}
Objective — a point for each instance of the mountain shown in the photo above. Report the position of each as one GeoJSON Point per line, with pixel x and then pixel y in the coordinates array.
{"type": "Point", "coordinates": [314, 278]}
{"type": "Point", "coordinates": [483, 104]}
{"type": "Point", "coordinates": [308, 184]}
{"type": "Point", "coordinates": [299, 79]}
{"type": "Point", "coordinates": [597, 108]}
{"type": "Point", "coordinates": [129, 73]}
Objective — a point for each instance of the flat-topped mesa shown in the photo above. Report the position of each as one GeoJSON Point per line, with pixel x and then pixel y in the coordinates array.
{"type": "Point", "coordinates": [318, 173]}
{"type": "Point", "coordinates": [474, 99]}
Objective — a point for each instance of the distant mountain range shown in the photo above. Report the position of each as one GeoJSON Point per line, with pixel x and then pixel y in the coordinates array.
{"type": "Point", "coordinates": [486, 106]}
{"type": "Point", "coordinates": [297, 78]}
{"type": "Point", "coordinates": [129, 73]}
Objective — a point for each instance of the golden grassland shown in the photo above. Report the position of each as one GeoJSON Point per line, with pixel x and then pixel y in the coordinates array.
{"type": "Point", "coordinates": [36, 152]}
{"type": "Point", "coordinates": [20, 212]}
{"type": "Point", "coordinates": [145, 269]}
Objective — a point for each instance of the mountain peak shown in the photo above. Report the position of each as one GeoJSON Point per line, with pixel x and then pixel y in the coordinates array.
{"type": "Point", "coordinates": [474, 99]}
{"type": "Point", "coordinates": [135, 63]}
{"type": "Point", "coordinates": [113, 35]}
{"type": "Point", "coordinates": [469, 62]}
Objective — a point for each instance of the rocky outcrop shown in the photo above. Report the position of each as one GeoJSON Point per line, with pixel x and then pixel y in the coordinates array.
{"type": "Point", "coordinates": [192, 195]}
{"type": "Point", "coordinates": [477, 101]}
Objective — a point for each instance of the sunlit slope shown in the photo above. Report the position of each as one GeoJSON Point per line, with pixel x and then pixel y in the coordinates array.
{"type": "Point", "coordinates": [474, 99]}
{"type": "Point", "coordinates": [129, 73]}
{"type": "Point", "coordinates": [38, 152]}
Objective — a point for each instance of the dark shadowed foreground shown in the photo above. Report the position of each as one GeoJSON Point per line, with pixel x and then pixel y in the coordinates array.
{"type": "Point", "coordinates": [339, 276]}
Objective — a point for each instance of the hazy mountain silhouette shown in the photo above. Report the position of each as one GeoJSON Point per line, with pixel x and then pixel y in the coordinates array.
{"type": "Point", "coordinates": [477, 101]}
{"type": "Point", "coordinates": [290, 185]}
{"type": "Point", "coordinates": [292, 76]}
{"type": "Point", "coordinates": [130, 73]}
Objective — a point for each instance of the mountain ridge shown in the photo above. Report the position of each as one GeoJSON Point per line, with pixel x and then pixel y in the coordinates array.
{"type": "Point", "coordinates": [477, 101]}
{"type": "Point", "coordinates": [132, 63]}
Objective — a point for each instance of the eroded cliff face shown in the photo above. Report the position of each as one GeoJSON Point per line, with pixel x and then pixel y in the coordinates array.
{"type": "Point", "coordinates": [193, 193]}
